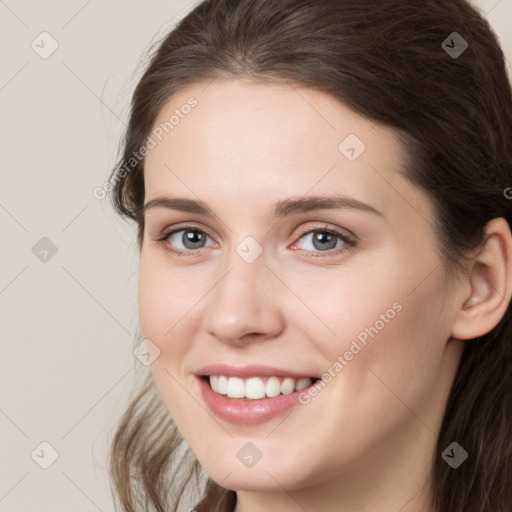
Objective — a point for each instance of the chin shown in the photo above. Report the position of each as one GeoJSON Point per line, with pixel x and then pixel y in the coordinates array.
{"type": "Point", "coordinates": [267, 474]}
{"type": "Point", "coordinates": [263, 479]}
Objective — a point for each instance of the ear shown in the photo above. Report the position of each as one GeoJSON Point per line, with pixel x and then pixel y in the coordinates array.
{"type": "Point", "coordinates": [486, 299]}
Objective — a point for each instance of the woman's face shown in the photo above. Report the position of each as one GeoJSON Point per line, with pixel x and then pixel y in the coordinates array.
{"type": "Point", "coordinates": [310, 256]}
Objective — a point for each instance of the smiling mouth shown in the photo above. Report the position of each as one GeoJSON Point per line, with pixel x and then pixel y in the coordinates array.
{"type": "Point", "coordinates": [255, 388]}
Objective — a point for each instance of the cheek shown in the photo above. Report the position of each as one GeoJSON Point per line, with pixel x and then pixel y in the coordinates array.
{"type": "Point", "coordinates": [168, 316]}
{"type": "Point", "coordinates": [392, 344]}
{"type": "Point", "coordinates": [164, 302]}
{"type": "Point", "coordinates": [393, 327]}
{"type": "Point", "coordinates": [393, 308]}
{"type": "Point", "coordinates": [348, 306]}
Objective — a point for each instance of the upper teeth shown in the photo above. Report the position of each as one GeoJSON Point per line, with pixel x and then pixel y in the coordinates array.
{"type": "Point", "coordinates": [256, 387]}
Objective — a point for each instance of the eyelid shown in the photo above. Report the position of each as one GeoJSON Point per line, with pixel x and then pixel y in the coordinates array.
{"type": "Point", "coordinates": [344, 233]}
{"type": "Point", "coordinates": [180, 227]}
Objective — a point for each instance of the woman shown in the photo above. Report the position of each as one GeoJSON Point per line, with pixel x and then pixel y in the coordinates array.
{"type": "Point", "coordinates": [326, 261]}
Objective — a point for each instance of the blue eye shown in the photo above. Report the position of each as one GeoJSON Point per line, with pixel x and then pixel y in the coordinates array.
{"type": "Point", "coordinates": [191, 239]}
{"type": "Point", "coordinates": [326, 240]}
{"type": "Point", "coordinates": [322, 241]}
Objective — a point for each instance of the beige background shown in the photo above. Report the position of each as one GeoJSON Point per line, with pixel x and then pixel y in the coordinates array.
{"type": "Point", "coordinates": [67, 324]}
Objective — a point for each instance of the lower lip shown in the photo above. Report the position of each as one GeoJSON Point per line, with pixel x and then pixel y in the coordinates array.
{"type": "Point", "coordinates": [244, 410]}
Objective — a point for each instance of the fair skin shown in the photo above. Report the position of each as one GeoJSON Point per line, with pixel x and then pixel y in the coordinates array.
{"type": "Point", "coordinates": [366, 440]}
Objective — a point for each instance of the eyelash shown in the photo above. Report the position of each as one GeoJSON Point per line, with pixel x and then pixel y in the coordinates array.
{"type": "Point", "coordinates": [349, 242]}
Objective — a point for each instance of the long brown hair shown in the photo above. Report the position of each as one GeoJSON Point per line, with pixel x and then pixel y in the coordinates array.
{"type": "Point", "coordinates": [391, 61]}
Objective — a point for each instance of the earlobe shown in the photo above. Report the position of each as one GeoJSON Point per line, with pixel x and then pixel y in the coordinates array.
{"type": "Point", "coordinates": [490, 278]}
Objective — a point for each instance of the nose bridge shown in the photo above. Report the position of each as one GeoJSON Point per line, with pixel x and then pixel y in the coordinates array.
{"type": "Point", "coordinates": [245, 268]}
{"type": "Point", "coordinates": [241, 302]}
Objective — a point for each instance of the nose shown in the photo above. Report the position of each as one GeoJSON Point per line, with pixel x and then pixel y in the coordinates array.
{"type": "Point", "coordinates": [244, 304]}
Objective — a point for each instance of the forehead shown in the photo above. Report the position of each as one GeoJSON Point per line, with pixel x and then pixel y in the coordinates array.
{"type": "Point", "coordinates": [259, 142]}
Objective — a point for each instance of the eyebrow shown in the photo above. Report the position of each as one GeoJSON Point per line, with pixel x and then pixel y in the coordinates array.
{"type": "Point", "coordinates": [280, 209]}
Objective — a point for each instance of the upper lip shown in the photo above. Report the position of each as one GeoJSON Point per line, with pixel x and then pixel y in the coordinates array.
{"type": "Point", "coordinates": [249, 371]}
